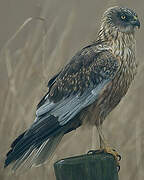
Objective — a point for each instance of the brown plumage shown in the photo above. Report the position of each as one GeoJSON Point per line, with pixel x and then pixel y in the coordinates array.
{"type": "Point", "coordinates": [93, 82]}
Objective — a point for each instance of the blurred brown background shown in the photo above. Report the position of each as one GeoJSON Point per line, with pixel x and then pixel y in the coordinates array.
{"type": "Point", "coordinates": [36, 53]}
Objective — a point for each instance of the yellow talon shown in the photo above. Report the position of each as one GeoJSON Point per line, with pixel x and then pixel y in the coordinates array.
{"type": "Point", "coordinates": [108, 150]}
{"type": "Point", "coordinates": [117, 157]}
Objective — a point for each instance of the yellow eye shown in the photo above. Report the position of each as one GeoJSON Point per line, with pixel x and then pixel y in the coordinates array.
{"type": "Point", "coordinates": [123, 17]}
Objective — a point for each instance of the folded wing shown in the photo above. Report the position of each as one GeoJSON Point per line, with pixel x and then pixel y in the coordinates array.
{"type": "Point", "coordinates": [76, 87]}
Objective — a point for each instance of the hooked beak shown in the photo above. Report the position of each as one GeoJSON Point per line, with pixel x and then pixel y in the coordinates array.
{"type": "Point", "coordinates": [136, 23]}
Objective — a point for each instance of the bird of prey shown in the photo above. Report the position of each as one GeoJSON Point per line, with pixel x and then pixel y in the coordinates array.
{"type": "Point", "coordinates": [93, 82]}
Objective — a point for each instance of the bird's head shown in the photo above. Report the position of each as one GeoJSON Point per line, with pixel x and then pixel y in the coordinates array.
{"type": "Point", "coordinates": [121, 19]}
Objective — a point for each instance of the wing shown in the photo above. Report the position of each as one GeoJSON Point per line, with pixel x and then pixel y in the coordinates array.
{"type": "Point", "coordinates": [78, 85]}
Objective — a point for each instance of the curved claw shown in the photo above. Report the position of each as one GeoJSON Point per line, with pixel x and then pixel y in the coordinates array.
{"type": "Point", "coordinates": [118, 168]}
{"type": "Point", "coordinates": [114, 150]}
{"type": "Point", "coordinates": [90, 152]}
{"type": "Point", "coordinates": [119, 157]}
{"type": "Point", "coordinates": [93, 151]}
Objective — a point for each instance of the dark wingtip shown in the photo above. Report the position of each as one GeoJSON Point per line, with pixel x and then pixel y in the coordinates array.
{"type": "Point", "coordinates": [8, 159]}
{"type": "Point", "coordinates": [17, 140]}
{"type": "Point", "coordinates": [6, 163]}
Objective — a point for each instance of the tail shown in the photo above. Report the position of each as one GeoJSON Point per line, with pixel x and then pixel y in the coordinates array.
{"type": "Point", "coordinates": [33, 148]}
{"type": "Point", "coordinates": [32, 156]}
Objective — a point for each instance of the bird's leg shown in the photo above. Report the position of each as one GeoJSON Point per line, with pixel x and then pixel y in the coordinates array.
{"type": "Point", "coordinates": [94, 141]}
{"type": "Point", "coordinates": [105, 147]}
{"type": "Point", "coordinates": [103, 141]}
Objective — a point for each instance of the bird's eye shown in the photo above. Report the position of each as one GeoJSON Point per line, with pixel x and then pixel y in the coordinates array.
{"type": "Point", "coordinates": [123, 17]}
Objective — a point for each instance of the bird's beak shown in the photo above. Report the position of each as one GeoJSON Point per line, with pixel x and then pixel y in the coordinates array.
{"type": "Point", "coordinates": [136, 22]}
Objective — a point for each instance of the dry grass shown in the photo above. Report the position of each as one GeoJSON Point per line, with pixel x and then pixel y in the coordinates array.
{"type": "Point", "coordinates": [25, 70]}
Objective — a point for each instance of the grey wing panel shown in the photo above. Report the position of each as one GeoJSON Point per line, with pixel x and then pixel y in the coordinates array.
{"type": "Point", "coordinates": [45, 108]}
{"type": "Point", "coordinates": [71, 106]}
{"type": "Point", "coordinates": [68, 107]}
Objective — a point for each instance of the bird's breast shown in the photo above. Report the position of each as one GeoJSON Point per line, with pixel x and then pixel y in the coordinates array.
{"type": "Point", "coordinates": [113, 93]}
